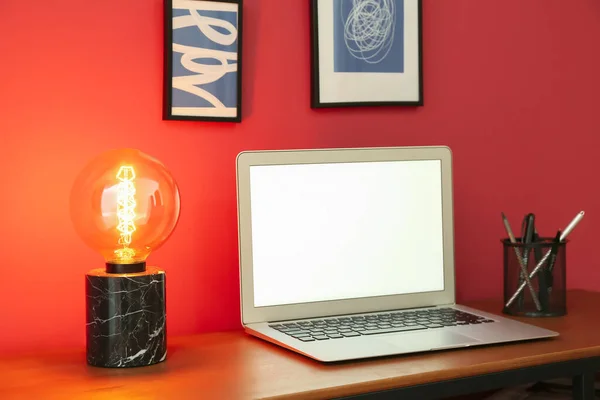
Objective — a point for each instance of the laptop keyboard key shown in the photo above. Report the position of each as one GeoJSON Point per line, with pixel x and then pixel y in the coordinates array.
{"type": "Point", "coordinates": [392, 330]}
{"type": "Point", "coordinates": [291, 331]}
{"type": "Point", "coordinates": [306, 339]}
{"type": "Point", "coordinates": [321, 337]}
{"type": "Point", "coordinates": [298, 334]}
{"type": "Point", "coordinates": [350, 334]}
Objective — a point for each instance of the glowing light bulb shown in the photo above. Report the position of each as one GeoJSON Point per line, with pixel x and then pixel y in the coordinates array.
{"type": "Point", "coordinates": [125, 212]}
{"type": "Point", "coordinates": [124, 204]}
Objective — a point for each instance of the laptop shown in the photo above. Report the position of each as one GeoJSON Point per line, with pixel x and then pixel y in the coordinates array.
{"type": "Point", "coordinates": [349, 253]}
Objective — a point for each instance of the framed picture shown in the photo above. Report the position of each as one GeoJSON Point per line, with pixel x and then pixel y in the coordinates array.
{"type": "Point", "coordinates": [366, 53]}
{"type": "Point", "coordinates": [203, 60]}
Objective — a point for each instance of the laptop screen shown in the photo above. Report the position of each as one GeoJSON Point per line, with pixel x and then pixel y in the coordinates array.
{"type": "Point", "coordinates": [345, 230]}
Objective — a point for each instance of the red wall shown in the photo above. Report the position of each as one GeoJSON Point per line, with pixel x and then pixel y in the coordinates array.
{"type": "Point", "coordinates": [512, 86]}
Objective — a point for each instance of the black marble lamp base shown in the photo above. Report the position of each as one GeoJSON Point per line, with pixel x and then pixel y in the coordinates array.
{"type": "Point", "coordinates": [126, 318]}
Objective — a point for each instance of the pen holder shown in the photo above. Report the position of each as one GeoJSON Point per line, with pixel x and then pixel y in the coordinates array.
{"type": "Point", "coordinates": [544, 295]}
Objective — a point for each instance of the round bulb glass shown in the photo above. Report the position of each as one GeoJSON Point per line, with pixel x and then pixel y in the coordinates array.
{"type": "Point", "coordinates": [124, 204]}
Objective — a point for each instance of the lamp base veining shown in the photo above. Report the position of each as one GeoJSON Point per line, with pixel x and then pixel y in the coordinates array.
{"type": "Point", "coordinates": [125, 318]}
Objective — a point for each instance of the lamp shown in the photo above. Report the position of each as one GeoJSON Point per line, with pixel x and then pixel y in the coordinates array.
{"type": "Point", "coordinates": [124, 204]}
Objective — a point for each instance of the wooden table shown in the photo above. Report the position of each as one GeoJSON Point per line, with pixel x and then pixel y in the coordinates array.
{"type": "Point", "coordinates": [236, 366]}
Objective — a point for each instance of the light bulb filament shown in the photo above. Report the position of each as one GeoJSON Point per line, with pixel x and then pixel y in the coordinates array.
{"type": "Point", "coordinates": [125, 212]}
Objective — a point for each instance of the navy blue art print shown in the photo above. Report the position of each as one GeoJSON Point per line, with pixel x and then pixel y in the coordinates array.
{"type": "Point", "coordinates": [205, 73]}
{"type": "Point", "coordinates": [368, 35]}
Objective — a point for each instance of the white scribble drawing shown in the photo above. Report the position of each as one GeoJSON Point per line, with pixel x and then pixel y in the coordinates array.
{"type": "Point", "coordinates": [193, 58]}
{"type": "Point", "coordinates": [369, 29]}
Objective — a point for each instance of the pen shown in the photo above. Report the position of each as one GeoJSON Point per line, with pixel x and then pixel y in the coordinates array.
{"type": "Point", "coordinates": [509, 231]}
{"type": "Point", "coordinates": [513, 240]}
{"type": "Point", "coordinates": [527, 238]}
{"type": "Point", "coordinates": [571, 225]}
{"type": "Point", "coordinates": [563, 236]}
{"type": "Point", "coordinates": [542, 282]}
{"type": "Point", "coordinates": [552, 260]}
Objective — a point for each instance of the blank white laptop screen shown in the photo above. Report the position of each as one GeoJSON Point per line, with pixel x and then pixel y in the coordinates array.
{"type": "Point", "coordinates": [345, 230]}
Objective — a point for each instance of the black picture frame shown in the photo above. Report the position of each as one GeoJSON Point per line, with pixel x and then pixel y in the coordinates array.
{"type": "Point", "coordinates": [182, 86]}
{"type": "Point", "coordinates": [331, 78]}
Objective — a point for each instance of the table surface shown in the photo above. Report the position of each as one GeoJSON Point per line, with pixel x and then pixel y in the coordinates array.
{"type": "Point", "coordinates": [236, 365]}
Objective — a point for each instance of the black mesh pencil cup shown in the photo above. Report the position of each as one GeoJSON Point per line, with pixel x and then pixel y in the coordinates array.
{"type": "Point", "coordinates": [535, 278]}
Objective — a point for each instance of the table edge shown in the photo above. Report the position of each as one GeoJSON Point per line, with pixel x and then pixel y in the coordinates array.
{"type": "Point", "coordinates": [399, 382]}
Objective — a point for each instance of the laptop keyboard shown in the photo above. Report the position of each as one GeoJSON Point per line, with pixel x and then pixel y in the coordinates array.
{"type": "Point", "coordinates": [373, 324]}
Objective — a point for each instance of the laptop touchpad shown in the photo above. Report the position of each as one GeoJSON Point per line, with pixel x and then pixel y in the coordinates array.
{"type": "Point", "coordinates": [428, 340]}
